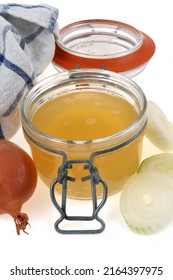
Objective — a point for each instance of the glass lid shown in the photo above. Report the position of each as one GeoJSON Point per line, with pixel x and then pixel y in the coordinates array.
{"type": "Point", "coordinates": [100, 43]}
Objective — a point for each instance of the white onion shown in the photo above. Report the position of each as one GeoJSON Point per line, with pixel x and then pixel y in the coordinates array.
{"type": "Point", "coordinates": [159, 129]}
{"type": "Point", "coordinates": [146, 202]}
{"type": "Point", "coordinates": [162, 163]}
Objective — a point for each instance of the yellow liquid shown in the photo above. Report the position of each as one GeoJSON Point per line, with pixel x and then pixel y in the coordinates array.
{"type": "Point", "coordinates": [85, 116]}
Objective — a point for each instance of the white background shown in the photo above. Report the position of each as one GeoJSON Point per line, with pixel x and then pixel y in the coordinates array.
{"type": "Point", "coordinates": [117, 245]}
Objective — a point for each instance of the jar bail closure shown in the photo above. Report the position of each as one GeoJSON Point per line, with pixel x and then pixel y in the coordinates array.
{"type": "Point", "coordinates": [63, 179]}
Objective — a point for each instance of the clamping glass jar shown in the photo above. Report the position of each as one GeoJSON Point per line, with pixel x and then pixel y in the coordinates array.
{"type": "Point", "coordinates": [81, 99]}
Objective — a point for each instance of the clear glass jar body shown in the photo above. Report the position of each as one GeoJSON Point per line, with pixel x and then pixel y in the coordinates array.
{"type": "Point", "coordinates": [120, 153]}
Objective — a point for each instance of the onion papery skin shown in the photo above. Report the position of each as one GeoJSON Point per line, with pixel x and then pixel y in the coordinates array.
{"type": "Point", "coordinates": [18, 180]}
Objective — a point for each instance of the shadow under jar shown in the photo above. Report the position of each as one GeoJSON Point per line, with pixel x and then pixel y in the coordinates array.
{"type": "Point", "coordinates": [87, 115]}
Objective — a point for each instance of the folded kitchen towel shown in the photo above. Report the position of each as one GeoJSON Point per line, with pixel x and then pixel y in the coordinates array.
{"type": "Point", "coordinates": [27, 45]}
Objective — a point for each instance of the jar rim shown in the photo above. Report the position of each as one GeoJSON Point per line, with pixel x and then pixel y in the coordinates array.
{"type": "Point", "coordinates": [58, 79]}
{"type": "Point", "coordinates": [75, 46]}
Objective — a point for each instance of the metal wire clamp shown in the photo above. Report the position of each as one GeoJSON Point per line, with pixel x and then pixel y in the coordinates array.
{"type": "Point", "coordinates": [63, 179]}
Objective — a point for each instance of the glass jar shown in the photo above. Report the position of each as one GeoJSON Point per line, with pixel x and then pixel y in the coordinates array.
{"type": "Point", "coordinates": [115, 156]}
{"type": "Point", "coordinates": [101, 43]}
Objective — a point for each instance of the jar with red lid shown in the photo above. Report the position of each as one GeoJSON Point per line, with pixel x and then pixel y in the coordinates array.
{"type": "Point", "coordinates": [85, 125]}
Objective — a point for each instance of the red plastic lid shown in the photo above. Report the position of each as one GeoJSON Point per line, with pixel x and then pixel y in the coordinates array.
{"type": "Point", "coordinates": [100, 43]}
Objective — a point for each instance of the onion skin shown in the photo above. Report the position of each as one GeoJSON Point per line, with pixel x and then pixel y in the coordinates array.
{"type": "Point", "coordinates": [18, 180]}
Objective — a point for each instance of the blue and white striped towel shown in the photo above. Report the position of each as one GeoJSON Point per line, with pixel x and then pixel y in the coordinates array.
{"type": "Point", "coordinates": [27, 45]}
